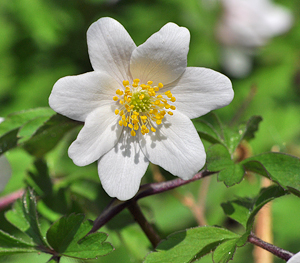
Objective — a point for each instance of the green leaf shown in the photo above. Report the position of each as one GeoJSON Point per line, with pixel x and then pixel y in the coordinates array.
{"type": "Point", "coordinates": [244, 210]}
{"type": "Point", "coordinates": [188, 245]}
{"type": "Point", "coordinates": [12, 125]}
{"type": "Point", "coordinates": [266, 195]}
{"type": "Point", "coordinates": [239, 210]}
{"type": "Point", "coordinates": [207, 131]}
{"type": "Point", "coordinates": [24, 217]}
{"type": "Point", "coordinates": [281, 168]}
{"type": "Point", "coordinates": [219, 159]}
{"type": "Point", "coordinates": [40, 180]}
{"type": "Point", "coordinates": [246, 131]}
{"type": "Point", "coordinates": [48, 135]}
{"type": "Point", "coordinates": [67, 236]}
{"type": "Point", "coordinates": [12, 245]}
{"type": "Point", "coordinates": [225, 251]}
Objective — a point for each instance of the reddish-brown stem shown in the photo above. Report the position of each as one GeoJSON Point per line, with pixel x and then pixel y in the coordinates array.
{"type": "Point", "coordinates": [148, 229]}
{"type": "Point", "coordinates": [277, 251]}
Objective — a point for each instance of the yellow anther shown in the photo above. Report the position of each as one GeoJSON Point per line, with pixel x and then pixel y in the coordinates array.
{"type": "Point", "coordinates": [141, 105]}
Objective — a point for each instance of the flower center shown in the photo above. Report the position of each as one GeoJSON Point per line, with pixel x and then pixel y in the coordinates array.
{"type": "Point", "coordinates": [140, 105]}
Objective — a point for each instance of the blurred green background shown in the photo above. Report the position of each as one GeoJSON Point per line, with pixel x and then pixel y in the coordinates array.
{"type": "Point", "coordinates": [44, 40]}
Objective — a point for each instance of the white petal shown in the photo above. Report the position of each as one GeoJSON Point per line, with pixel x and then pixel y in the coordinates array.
{"type": "Point", "coordinates": [76, 96]}
{"type": "Point", "coordinates": [163, 57]}
{"type": "Point", "coordinates": [99, 135]}
{"type": "Point", "coordinates": [5, 172]}
{"type": "Point", "coordinates": [110, 48]}
{"type": "Point", "coordinates": [175, 146]}
{"type": "Point", "coordinates": [200, 90]}
{"type": "Point", "coordinates": [294, 259]}
{"type": "Point", "coordinates": [122, 168]}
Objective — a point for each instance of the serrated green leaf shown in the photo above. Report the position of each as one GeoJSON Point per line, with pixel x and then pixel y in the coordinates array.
{"type": "Point", "coordinates": [281, 168]}
{"type": "Point", "coordinates": [24, 217]}
{"type": "Point", "coordinates": [67, 236]}
{"type": "Point", "coordinates": [244, 210]}
{"type": "Point", "coordinates": [12, 245]}
{"type": "Point", "coordinates": [188, 245]}
{"type": "Point", "coordinates": [219, 159]}
{"type": "Point", "coordinates": [225, 251]}
{"type": "Point", "coordinates": [48, 135]}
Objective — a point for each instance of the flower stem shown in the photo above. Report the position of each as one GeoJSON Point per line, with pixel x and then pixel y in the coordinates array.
{"type": "Point", "coordinates": [116, 206]}
{"type": "Point", "coordinates": [277, 251]}
{"type": "Point", "coordinates": [148, 229]}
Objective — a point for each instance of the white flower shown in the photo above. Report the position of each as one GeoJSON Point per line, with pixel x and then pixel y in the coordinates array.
{"type": "Point", "coordinates": [246, 25]}
{"type": "Point", "coordinates": [294, 259]}
{"type": "Point", "coordinates": [137, 105]}
{"type": "Point", "coordinates": [5, 169]}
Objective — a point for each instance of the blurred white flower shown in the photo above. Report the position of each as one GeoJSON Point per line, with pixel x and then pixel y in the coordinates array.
{"type": "Point", "coordinates": [246, 25]}
{"type": "Point", "coordinates": [5, 169]}
{"type": "Point", "coordinates": [294, 259]}
{"type": "Point", "coordinates": [137, 105]}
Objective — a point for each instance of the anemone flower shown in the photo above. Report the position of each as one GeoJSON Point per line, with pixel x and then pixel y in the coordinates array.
{"type": "Point", "coordinates": [137, 104]}
{"type": "Point", "coordinates": [245, 26]}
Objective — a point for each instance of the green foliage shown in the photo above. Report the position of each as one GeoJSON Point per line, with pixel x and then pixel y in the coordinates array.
{"type": "Point", "coordinates": [68, 237]}
{"type": "Point", "coordinates": [243, 210]}
{"type": "Point", "coordinates": [219, 159]}
{"type": "Point", "coordinates": [189, 245]}
{"type": "Point", "coordinates": [37, 130]}
{"type": "Point", "coordinates": [282, 168]}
